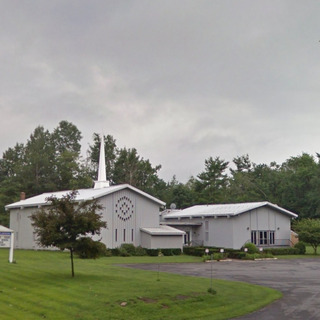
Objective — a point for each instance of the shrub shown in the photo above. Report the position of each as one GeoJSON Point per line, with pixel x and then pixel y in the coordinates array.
{"type": "Point", "coordinates": [282, 251]}
{"type": "Point", "coordinates": [212, 291]}
{"type": "Point", "coordinates": [164, 252]}
{"type": "Point", "coordinates": [152, 252]}
{"type": "Point", "coordinates": [123, 252]}
{"type": "Point", "coordinates": [251, 248]}
{"type": "Point", "coordinates": [194, 251]}
{"type": "Point", "coordinates": [218, 256]}
{"type": "Point", "coordinates": [108, 253]}
{"type": "Point", "coordinates": [171, 252]}
{"type": "Point", "coordinates": [206, 258]}
{"type": "Point", "coordinates": [251, 256]}
{"type": "Point", "coordinates": [301, 247]}
{"type": "Point", "coordinates": [90, 249]}
{"type": "Point", "coordinates": [140, 251]}
{"type": "Point", "coordinates": [127, 249]}
{"type": "Point", "coordinates": [115, 252]}
{"type": "Point", "coordinates": [237, 255]}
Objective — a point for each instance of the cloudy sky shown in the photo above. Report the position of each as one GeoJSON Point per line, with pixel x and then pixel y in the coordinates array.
{"type": "Point", "coordinates": [178, 80]}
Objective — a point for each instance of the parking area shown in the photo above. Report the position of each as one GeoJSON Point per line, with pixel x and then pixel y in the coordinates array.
{"type": "Point", "coordinates": [297, 279]}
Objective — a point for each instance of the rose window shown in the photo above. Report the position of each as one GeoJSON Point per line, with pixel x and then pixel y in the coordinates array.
{"type": "Point", "coordinates": [124, 208]}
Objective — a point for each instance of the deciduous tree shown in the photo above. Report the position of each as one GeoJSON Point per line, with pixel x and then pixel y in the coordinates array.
{"type": "Point", "coordinates": [66, 222]}
{"type": "Point", "coordinates": [309, 232]}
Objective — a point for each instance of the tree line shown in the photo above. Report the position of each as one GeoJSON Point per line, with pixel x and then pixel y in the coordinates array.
{"type": "Point", "coordinates": [52, 161]}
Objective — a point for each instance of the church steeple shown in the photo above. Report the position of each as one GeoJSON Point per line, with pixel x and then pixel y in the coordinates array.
{"type": "Point", "coordinates": [102, 177]}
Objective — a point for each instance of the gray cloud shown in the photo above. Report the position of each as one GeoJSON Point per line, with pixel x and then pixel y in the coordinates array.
{"type": "Point", "coordinates": [178, 80]}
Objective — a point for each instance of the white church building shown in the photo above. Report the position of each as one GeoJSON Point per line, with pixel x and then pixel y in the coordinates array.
{"type": "Point", "coordinates": [132, 215]}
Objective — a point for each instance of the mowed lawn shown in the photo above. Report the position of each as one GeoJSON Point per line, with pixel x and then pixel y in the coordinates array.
{"type": "Point", "coordinates": [39, 286]}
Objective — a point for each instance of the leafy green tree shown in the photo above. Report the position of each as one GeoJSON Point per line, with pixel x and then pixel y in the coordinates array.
{"type": "Point", "coordinates": [212, 183]}
{"type": "Point", "coordinates": [309, 232]}
{"type": "Point", "coordinates": [47, 162]}
{"type": "Point", "coordinates": [67, 137]}
{"type": "Point", "coordinates": [12, 161]}
{"type": "Point", "coordinates": [300, 178]}
{"type": "Point", "coordinates": [11, 166]}
{"type": "Point", "coordinates": [66, 222]}
{"type": "Point", "coordinates": [138, 172]}
{"type": "Point", "coordinates": [111, 151]}
{"type": "Point", "coordinates": [243, 164]}
{"type": "Point", "coordinates": [254, 182]}
{"type": "Point", "coordinates": [37, 174]}
{"type": "Point", "coordinates": [178, 193]}
{"type": "Point", "coordinates": [69, 172]}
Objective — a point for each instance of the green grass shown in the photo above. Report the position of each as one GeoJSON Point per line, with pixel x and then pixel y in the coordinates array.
{"type": "Point", "coordinates": [309, 254]}
{"type": "Point", "coordinates": [39, 286]}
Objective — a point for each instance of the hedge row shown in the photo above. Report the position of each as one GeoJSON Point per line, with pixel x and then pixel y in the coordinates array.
{"type": "Point", "coordinates": [200, 251]}
{"type": "Point", "coordinates": [282, 251]}
{"type": "Point", "coordinates": [240, 254]}
{"type": "Point", "coordinates": [127, 250]}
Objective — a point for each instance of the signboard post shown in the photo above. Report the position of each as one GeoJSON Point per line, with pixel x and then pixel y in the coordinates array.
{"type": "Point", "coordinates": [7, 240]}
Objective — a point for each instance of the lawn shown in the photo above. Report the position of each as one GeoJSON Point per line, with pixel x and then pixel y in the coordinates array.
{"type": "Point", "coordinates": [39, 286]}
{"type": "Point", "coordinates": [309, 254]}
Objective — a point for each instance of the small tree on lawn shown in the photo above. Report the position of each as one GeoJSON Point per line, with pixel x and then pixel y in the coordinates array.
{"type": "Point", "coordinates": [309, 232]}
{"type": "Point", "coordinates": [65, 222]}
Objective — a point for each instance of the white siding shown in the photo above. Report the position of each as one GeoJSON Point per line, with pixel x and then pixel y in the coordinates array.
{"type": "Point", "coordinates": [161, 242]}
{"type": "Point", "coordinates": [20, 222]}
{"type": "Point", "coordinates": [262, 219]}
{"type": "Point", "coordinates": [127, 212]}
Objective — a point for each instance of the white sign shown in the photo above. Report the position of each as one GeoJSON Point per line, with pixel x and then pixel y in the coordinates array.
{"type": "Point", "coordinates": [5, 239]}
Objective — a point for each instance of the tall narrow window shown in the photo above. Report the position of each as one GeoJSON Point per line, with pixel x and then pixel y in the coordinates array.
{"type": "Point", "coordinates": [271, 237]}
{"type": "Point", "coordinates": [116, 234]}
{"type": "Point", "coordinates": [124, 235]}
{"type": "Point", "coordinates": [131, 235]}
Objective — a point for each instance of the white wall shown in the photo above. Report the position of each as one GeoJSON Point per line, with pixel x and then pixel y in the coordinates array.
{"type": "Point", "coordinates": [137, 212]}
{"type": "Point", "coordinates": [20, 222]}
{"type": "Point", "coordinates": [161, 242]}
{"type": "Point", "coordinates": [261, 219]}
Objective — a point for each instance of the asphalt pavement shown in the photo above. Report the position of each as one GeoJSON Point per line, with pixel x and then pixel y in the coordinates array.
{"type": "Point", "coordinates": [297, 279]}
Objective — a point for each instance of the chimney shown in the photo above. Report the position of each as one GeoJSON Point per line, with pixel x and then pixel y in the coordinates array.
{"type": "Point", "coordinates": [22, 196]}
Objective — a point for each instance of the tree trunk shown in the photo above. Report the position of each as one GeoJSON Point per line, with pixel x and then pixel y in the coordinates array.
{"type": "Point", "coordinates": [72, 267]}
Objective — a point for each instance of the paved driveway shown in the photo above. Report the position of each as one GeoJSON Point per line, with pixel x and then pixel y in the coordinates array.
{"type": "Point", "coordinates": [298, 279]}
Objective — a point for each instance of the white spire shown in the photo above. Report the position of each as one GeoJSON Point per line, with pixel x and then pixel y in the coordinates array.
{"type": "Point", "coordinates": [102, 177]}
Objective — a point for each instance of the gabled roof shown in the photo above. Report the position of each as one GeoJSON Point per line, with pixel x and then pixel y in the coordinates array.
{"type": "Point", "coordinates": [224, 210]}
{"type": "Point", "coordinates": [83, 194]}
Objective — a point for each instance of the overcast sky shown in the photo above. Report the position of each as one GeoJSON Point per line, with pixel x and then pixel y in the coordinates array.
{"type": "Point", "coordinates": [178, 80]}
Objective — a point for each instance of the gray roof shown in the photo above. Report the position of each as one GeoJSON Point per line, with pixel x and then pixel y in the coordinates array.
{"type": "Point", "coordinates": [224, 210]}
{"type": "Point", "coordinates": [83, 194]}
{"type": "Point", "coordinates": [163, 231]}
